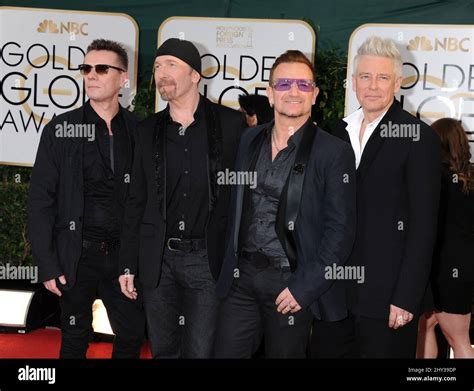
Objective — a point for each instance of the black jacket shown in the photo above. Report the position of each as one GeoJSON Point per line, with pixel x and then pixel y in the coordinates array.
{"type": "Point", "coordinates": [56, 196]}
{"type": "Point", "coordinates": [398, 186]}
{"type": "Point", "coordinates": [144, 233]}
{"type": "Point", "coordinates": [321, 205]}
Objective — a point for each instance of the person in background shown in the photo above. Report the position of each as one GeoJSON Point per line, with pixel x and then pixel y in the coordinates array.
{"type": "Point", "coordinates": [453, 264]}
{"type": "Point", "coordinates": [257, 109]}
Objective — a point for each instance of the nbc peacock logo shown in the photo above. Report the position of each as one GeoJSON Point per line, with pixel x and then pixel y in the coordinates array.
{"type": "Point", "coordinates": [420, 43]}
{"type": "Point", "coordinates": [47, 26]}
{"type": "Point", "coordinates": [446, 44]}
{"type": "Point", "coordinates": [72, 28]}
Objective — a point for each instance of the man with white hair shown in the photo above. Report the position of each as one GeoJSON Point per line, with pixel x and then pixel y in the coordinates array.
{"type": "Point", "coordinates": [398, 182]}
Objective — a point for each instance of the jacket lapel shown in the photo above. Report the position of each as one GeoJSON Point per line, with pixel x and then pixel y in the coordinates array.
{"type": "Point", "coordinates": [214, 154]}
{"type": "Point", "coordinates": [247, 163]}
{"type": "Point", "coordinates": [374, 143]}
{"type": "Point", "coordinates": [159, 159]}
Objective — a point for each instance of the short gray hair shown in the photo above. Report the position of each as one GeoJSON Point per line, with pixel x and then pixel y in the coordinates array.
{"type": "Point", "coordinates": [377, 46]}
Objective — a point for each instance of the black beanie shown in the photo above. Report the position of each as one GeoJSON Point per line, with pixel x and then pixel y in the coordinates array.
{"type": "Point", "coordinates": [184, 50]}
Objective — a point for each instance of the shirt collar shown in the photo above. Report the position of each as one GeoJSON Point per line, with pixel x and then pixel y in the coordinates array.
{"type": "Point", "coordinates": [354, 120]}
{"type": "Point", "coordinates": [92, 117]}
{"type": "Point", "coordinates": [295, 138]}
{"type": "Point", "coordinates": [198, 114]}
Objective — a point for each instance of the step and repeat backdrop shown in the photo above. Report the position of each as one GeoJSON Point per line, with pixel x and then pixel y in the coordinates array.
{"type": "Point", "coordinates": [40, 79]}
{"type": "Point", "coordinates": [39, 76]}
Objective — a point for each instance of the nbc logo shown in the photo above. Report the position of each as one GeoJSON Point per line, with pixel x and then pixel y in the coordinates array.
{"type": "Point", "coordinates": [449, 44]}
{"type": "Point", "coordinates": [420, 43]}
{"type": "Point", "coordinates": [47, 26]}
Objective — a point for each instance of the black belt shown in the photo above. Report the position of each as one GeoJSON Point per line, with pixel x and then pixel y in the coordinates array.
{"type": "Point", "coordinates": [261, 261]}
{"type": "Point", "coordinates": [186, 245]}
{"type": "Point", "coordinates": [104, 247]}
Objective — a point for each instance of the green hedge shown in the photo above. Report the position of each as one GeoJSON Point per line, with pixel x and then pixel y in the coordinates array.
{"type": "Point", "coordinates": [14, 247]}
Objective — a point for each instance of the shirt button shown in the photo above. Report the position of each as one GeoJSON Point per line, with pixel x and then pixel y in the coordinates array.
{"type": "Point", "coordinates": [185, 149]}
{"type": "Point", "coordinates": [186, 172]}
{"type": "Point", "coordinates": [184, 194]}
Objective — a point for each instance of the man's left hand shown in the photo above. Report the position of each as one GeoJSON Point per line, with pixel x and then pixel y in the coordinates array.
{"type": "Point", "coordinates": [398, 317]}
{"type": "Point", "coordinates": [286, 302]}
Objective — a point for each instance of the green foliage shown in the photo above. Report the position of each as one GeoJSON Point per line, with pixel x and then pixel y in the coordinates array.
{"type": "Point", "coordinates": [14, 246]}
{"type": "Point", "coordinates": [144, 101]}
{"type": "Point", "coordinates": [331, 65]}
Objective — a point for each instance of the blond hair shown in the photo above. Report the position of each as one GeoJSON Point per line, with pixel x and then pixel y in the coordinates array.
{"type": "Point", "coordinates": [377, 46]}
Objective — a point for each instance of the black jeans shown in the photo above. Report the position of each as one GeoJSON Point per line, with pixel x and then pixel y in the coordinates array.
{"type": "Point", "coordinates": [181, 312]}
{"type": "Point", "coordinates": [249, 311]}
{"type": "Point", "coordinates": [97, 277]}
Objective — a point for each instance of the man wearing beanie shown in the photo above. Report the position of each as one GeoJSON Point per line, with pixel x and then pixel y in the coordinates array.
{"type": "Point", "coordinates": [176, 214]}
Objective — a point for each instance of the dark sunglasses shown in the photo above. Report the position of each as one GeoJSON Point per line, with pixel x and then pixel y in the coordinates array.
{"type": "Point", "coordinates": [100, 69]}
{"type": "Point", "coordinates": [304, 85]}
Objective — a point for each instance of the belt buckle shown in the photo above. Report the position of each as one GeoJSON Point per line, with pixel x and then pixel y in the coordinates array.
{"type": "Point", "coordinates": [168, 243]}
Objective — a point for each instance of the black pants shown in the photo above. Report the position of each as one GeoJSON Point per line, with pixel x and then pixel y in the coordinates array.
{"type": "Point", "coordinates": [249, 311]}
{"type": "Point", "coordinates": [362, 337]}
{"type": "Point", "coordinates": [181, 312]}
{"type": "Point", "coordinates": [97, 277]}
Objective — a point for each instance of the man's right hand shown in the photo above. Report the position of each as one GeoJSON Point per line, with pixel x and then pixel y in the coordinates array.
{"type": "Point", "coordinates": [127, 287]}
{"type": "Point", "coordinates": [50, 285]}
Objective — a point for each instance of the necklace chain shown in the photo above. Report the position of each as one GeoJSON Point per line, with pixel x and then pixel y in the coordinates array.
{"type": "Point", "coordinates": [274, 142]}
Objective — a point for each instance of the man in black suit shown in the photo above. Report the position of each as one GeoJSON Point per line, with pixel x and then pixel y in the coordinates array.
{"type": "Point", "coordinates": [287, 228]}
{"type": "Point", "coordinates": [398, 181]}
{"type": "Point", "coordinates": [76, 202]}
{"type": "Point", "coordinates": [176, 215]}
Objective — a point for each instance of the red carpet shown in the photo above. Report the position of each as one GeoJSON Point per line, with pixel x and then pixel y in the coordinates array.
{"type": "Point", "coordinates": [45, 343]}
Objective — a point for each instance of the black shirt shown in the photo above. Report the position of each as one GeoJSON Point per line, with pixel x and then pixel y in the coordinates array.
{"type": "Point", "coordinates": [187, 185]}
{"type": "Point", "coordinates": [258, 223]}
{"type": "Point", "coordinates": [102, 217]}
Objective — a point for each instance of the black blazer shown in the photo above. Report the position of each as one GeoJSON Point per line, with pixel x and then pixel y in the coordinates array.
{"type": "Point", "coordinates": [143, 238]}
{"type": "Point", "coordinates": [56, 196]}
{"type": "Point", "coordinates": [322, 207]}
{"type": "Point", "coordinates": [398, 186]}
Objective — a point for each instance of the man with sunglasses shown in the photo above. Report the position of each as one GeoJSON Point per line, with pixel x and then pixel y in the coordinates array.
{"type": "Point", "coordinates": [176, 215]}
{"type": "Point", "coordinates": [287, 230]}
{"type": "Point", "coordinates": [76, 203]}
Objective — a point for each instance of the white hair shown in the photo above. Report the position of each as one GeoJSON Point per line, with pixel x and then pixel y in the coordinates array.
{"type": "Point", "coordinates": [377, 46]}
